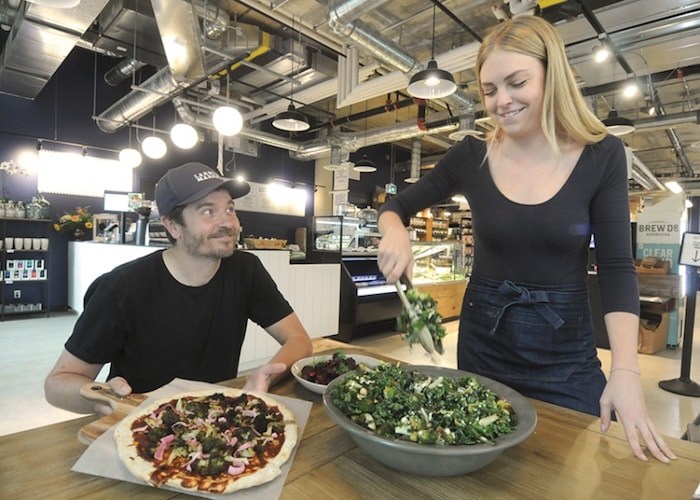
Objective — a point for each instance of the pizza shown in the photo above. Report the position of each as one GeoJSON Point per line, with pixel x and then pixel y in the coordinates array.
{"type": "Point", "coordinates": [216, 441]}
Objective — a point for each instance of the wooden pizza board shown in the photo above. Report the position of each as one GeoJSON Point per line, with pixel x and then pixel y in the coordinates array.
{"type": "Point", "coordinates": [122, 406]}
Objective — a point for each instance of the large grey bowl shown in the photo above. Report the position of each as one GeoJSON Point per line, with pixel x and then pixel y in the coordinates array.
{"type": "Point", "coordinates": [431, 459]}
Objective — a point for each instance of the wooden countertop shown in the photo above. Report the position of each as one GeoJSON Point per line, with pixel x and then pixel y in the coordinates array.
{"type": "Point", "coordinates": [566, 457]}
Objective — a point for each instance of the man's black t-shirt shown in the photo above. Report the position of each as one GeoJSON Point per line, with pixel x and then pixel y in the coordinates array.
{"type": "Point", "coordinates": [151, 328]}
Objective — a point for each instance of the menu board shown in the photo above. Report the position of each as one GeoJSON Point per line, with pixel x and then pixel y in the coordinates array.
{"type": "Point", "coordinates": [273, 198]}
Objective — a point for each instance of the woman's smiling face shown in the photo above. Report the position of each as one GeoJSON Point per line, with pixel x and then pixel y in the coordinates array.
{"type": "Point", "coordinates": [513, 87]}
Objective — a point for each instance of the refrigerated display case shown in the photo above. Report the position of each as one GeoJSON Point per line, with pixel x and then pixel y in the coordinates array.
{"type": "Point", "coordinates": [368, 304]}
{"type": "Point", "coordinates": [347, 235]}
{"type": "Point", "coordinates": [440, 270]}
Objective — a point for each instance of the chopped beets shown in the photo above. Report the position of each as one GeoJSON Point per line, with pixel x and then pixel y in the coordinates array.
{"type": "Point", "coordinates": [325, 371]}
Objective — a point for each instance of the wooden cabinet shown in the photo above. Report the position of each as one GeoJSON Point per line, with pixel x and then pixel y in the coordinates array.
{"type": "Point", "coordinates": [448, 295]}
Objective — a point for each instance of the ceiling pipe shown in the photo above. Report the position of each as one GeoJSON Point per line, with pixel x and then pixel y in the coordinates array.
{"type": "Point", "coordinates": [382, 48]}
{"type": "Point", "coordinates": [388, 107]}
{"type": "Point", "coordinates": [671, 133]}
{"type": "Point", "coordinates": [168, 82]}
{"type": "Point", "coordinates": [123, 70]}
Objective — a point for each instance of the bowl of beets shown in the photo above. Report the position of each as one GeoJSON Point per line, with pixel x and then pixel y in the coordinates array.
{"type": "Point", "coordinates": [316, 372]}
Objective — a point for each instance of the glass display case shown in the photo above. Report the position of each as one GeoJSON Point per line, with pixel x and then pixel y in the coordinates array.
{"type": "Point", "coordinates": [347, 235]}
{"type": "Point", "coordinates": [438, 261]}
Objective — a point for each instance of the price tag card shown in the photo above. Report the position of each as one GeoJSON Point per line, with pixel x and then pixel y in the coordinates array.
{"type": "Point", "coordinates": [690, 250]}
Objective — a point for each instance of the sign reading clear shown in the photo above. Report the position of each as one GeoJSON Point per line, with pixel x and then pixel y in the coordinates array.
{"type": "Point", "coordinates": [690, 250]}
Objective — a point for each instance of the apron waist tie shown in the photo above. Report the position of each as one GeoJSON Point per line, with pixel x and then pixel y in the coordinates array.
{"type": "Point", "coordinates": [538, 298]}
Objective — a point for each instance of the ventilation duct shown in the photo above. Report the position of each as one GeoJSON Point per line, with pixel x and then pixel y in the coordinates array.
{"type": "Point", "coordinates": [178, 26]}
{"type": "Point", "coordinates": [123, 70]}
{"type": "Point", "coordinates": [340, 19]}
{"type": "Point", "coordinates": [415, 162]}
{"type": "Point", "coordinates": [466, 127]}
{"type": "Point", "coordinates": [39, 41]}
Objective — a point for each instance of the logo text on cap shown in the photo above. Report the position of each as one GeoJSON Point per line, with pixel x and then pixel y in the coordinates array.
{"type": "Point", "coordinates": [203, 176]}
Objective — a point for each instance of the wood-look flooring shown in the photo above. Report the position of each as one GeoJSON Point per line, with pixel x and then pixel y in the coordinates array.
{"type": "Point", "coordinates": [29, 348]}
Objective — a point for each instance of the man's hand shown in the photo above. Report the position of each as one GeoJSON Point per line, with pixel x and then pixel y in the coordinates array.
{"type": "Point", "coordinates": [120, 387]}
{"type": "Point", "coordinates": [260, 379]}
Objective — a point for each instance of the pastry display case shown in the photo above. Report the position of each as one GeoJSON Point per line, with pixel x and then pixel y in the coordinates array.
{"type": "Point", "coordinates": [440, 270]}
{"type": "Point", "coordinates": [436, 262]}
{"type": "Point", "coordinates": [347, 235]}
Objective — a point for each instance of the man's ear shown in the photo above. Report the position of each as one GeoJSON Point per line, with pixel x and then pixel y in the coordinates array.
{"type": "Point", "coordinates": [171, 226]}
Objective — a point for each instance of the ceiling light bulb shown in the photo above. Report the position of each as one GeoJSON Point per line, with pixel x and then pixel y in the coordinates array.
{"type": "Point", "coordinates": [673, 186]}
{"type": "Point", "coordinates": [227, 120]}
{"type": "Point", "coordinates": [129, 157]}
{"type": "Point", "coordinates": [184, 136]}
{"type": "Point", "coordinates": [154, 147]}
{"type": "Point", "coordinates": [601, 53]}
{"type": "Point", "coordinates": [630, 90]}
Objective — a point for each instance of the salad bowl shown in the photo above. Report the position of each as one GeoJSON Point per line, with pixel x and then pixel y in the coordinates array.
{"type": "Point", "coordinates": [297, 367]}
{"type": "Point", "coordinates": [437, 459]}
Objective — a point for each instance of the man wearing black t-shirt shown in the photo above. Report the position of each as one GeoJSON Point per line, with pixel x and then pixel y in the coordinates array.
{"type": "Point", "coordinates": [180, 312]}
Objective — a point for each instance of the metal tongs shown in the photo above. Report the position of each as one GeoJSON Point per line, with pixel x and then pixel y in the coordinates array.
{"type": "Point", "coordinates": [426, 340]}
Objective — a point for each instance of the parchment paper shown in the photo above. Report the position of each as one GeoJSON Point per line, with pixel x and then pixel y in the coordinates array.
{"type": "Point", "coordinates": [101, 458]}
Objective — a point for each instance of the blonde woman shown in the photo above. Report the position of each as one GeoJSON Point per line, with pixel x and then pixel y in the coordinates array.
{"type": "Point", "coordinates": [546, 178]}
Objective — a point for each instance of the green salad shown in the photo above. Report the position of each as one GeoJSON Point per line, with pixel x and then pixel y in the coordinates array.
{"type": "Point", "coordinates": [397, 403]}
{"type": "Point", "coordinates": [426, 315]}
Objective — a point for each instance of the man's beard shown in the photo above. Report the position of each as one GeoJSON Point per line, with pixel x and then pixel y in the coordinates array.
{"type": "Point", "coordinates": [194, 244]}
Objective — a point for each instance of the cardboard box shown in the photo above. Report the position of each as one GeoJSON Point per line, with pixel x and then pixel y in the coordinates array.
{"type": "Point", "coordinates": [653, 332]}
{"type": "Point", "coordinates": [661, 285]}
{"type": "Point", "coordinates": [652, 265]}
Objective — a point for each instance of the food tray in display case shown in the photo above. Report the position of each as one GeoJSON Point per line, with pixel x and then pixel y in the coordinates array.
{"type": "Point", "coordinates": [438, 261]}
{"type": "Point", "coordinates": [346, 235]}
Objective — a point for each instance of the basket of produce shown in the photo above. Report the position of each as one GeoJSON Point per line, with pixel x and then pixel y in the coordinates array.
{"type": "Point", "coordinates": [264, 243]}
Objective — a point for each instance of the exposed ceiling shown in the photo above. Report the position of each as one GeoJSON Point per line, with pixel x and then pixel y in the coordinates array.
{"type": "Point", "coordinates": [349, 62]}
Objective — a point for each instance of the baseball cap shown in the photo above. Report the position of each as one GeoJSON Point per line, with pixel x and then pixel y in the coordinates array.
{"type": "Point", "coordinates": [191, 182]}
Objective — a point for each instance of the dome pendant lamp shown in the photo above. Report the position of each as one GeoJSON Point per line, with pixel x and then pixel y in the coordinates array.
{"type": "Point", "coordinates": [432, 82]}
{"type": "Point", "coordinates": [291, 120]}
{"type": "Point", "coordinates": [618, 125]}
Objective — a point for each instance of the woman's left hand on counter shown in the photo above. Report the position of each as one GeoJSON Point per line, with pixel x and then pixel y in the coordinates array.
{"type": "Point", "coordinates": [623, 394]}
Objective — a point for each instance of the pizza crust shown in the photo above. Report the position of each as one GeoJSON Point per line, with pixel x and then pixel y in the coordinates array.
{"type": "Point", "coordinates": [143, 469]}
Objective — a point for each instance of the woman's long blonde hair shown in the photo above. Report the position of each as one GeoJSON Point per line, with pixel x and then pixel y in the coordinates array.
{"type": "Point", "coordinates": [564, 110]}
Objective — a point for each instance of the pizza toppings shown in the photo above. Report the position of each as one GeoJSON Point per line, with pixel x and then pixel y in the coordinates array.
{"type": "Point", "coordinates": [205, 442]}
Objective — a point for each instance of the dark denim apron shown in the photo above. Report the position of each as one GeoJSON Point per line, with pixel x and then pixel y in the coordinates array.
{"type": "Point", "coordinates": [536, 339]}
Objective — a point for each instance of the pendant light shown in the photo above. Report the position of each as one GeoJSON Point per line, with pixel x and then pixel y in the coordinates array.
{"type": "Point", "coordinates": [130, 157]}
{"type": "Point", "coordinates": [184, 136]}
{"type": "Point", "coordinates": [227, 120]}
{"type": "Point", "coordinates": [618, 125]}
{"type": "Point", "coordinates": [153, 146]}
{"type": "Point", "coordinates": [432, 82]}
{"type": "Point", "coordinates": [291, 120]}
{"type": "Point", "coordinates": [365, 164]}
